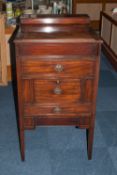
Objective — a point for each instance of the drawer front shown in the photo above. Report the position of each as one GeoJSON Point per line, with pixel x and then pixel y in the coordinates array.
{"type": "Point", "coordinates": [63, 110]}
{"type": "Point", "coordinates": [56, 91]}
{"type": "Point", "coordinates": [58, 49]}
{"type": "Point", "coordinates": [66, 67]}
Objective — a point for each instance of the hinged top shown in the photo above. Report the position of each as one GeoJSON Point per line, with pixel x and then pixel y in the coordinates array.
{"type": "Point", "coordinates": [70, 28]}
{"type": "Point", "coordinates": [54, 19]}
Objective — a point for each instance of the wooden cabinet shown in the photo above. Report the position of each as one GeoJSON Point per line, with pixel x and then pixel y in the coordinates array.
{"type": "Point", "coordinates": [109, 36]}
{"type": "Point", "coordinates": [57, 73]}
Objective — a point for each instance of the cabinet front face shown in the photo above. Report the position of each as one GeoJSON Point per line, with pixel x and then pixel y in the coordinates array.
{"type": "Point", "coordinates": [59, 100]}
{"type": "Point", "coordinates": [62, 83]}
{"type": "Point", "coordinates": [57, 82]}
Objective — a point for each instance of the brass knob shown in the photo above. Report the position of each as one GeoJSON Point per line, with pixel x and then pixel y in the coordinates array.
{"type": "Point", "coordinates": [59, 68]}
{"type": "Point", "coordinates": [58, 90]}
{"type": "Point", "coordinates": [57, 109]}
{"type": "Point", "coordinates": [57, 81]}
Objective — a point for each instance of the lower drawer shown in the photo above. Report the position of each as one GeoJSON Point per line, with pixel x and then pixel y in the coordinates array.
{"type": "Point", "coordinates": [56, 110]}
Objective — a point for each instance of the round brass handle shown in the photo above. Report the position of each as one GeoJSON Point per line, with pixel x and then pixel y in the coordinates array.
{"type": "Point", "coordinates": [59, 68]}
{"type": "Point", "coordinates": [57, 81]}
{"type": "Point", "coordinates": [57, 109]}
{"type": "Point", "coordinates": [58, 91]}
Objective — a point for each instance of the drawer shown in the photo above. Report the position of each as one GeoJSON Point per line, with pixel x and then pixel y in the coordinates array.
{"type": "Point", "coordinates": [57, 91]}
{"type": "Point", "coordinates": [57, 110]}
{"type": "Point", "coordinates": [35, 49]}
{"type": "Point", "coordinates": [60, 90]}
{"type": "Point", "coordinates": [61, 67]}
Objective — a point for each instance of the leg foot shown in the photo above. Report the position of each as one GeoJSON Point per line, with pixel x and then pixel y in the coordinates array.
{"type": "Point", "coordinates": [90, 134]}
{"type": "Point", "coordinates": [22, 146]}
{"type": "Point", "coordinates": [76, 127]}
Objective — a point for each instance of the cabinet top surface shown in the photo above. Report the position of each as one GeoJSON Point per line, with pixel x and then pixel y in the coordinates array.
{"type": "Point", "coordinates": [56, 29]}
{"type": "Point", "coordinates": [56, 37]}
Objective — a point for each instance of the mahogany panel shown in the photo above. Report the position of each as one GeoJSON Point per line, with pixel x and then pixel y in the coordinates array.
{"type": "Point", "coordinates": [57, 91]}
{"type": "Point", "coordinates": [81, 122]}
{"type": "Point", "coordinates": [35, 49]}
{"type": "Point", "coordinates": [88, 90]}
{"type": "Point", "coordinates": [27, 91]}
{"type": "Point", "coordinates": [58, 109]}
{"type": "Point", "coordinates": [74, 67]}
{"type": "Point", "coordinates": [36, 28]}
{"type": "Point", "coordinates": [54, 20]}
